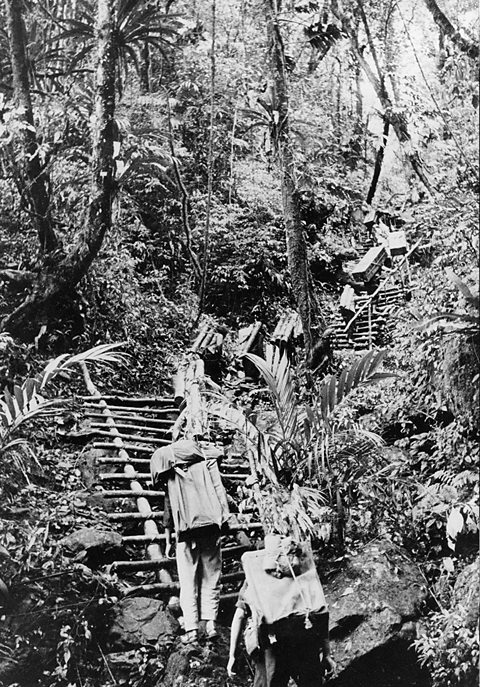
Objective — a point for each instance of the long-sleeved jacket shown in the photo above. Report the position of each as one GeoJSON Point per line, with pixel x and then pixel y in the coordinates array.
{"type": "Point", "coordinates": [195, 490]}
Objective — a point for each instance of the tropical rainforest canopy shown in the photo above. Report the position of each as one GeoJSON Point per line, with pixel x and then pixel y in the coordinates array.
{"type": "Point", "coordinates": [165, 164]}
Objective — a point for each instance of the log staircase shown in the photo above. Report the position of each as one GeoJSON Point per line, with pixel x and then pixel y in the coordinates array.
{"type": "Point", "coordinates": [128, 429]}
{"type": "Point", "coordinates": [365, 320]}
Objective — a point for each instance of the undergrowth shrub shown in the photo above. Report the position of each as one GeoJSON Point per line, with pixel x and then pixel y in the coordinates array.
{"type": "Point", "coordinates": [449, 644]}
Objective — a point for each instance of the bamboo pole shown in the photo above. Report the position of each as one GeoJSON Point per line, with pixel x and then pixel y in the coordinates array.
{"type": "Point", "coordinates": [135, 516]}
{"type": "Point", "coordinates": [136, 418]}
{"type": "Point", "coordinates": [145, 462]}
{"type": "Point", "coordinates": [105, 445]}
{"type": "Point", "coordinates": [369, 312]}
{"type": "Point", "coordinates": [135, 437]}
{"type": "Point", "coordinates": [152, 411]}
{"type": "Point", "coordinates": [150, 430]}
{"type": "Point", "coordinates": [104, 476]}
{"type": "Point", "coordinates": [130, 399]}
{"type": "Point", "coordinates": [128, 493]}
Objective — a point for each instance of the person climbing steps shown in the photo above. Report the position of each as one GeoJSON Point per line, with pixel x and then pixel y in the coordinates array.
{"type": "Point", "coordinates": [196, 507]}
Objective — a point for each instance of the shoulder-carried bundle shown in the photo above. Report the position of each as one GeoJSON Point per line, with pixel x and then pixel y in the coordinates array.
{"type": "Point", "coordinates": [197, 495]}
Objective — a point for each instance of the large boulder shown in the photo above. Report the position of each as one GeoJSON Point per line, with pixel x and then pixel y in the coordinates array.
{"type": "Point", "coordinates": [459, 367]}
{"type": "Point", "coordinates": [466, 594]}
{"type": "Point", "coordinates": [93, 547]}
{"type": "Point", "coordinates": [375, 602]}
{"type": "Point", "coordinates": [139, 621]}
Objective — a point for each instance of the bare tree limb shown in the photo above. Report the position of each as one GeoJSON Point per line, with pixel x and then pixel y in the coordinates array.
{"type": "Point", "coordinates": [396, 118]}
{"type": "Point", "coordinates": [442, 21]}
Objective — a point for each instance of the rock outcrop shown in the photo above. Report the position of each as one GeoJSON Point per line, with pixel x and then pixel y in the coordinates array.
{"type": "Point", "coordinates": [375, 602]}
{"type": "Point", "coordinates": [93, 547]}
{"type": "Point", "coordinates": [140, 621]}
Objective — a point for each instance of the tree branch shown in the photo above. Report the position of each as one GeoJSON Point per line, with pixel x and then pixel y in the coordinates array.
{"type": "Point", "coordinates": [396, 119]}
{"type": "Point", "coordinates": [442, 21]}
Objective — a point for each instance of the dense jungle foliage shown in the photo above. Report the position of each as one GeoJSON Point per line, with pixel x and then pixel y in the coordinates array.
{"type": "Point", "coordinates": [163, 162]}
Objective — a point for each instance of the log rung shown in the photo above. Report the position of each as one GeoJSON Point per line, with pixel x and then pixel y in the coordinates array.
{"type": "Point", "coordinates": [227, 551]}
{"type": "Point", "coordinates": [133, 437]}
{"type": "Point", "coordinates": [127, 447]}
{"type": "Point", "coordinates": [118, 476]}
{"type": "Point", "coordinates": [163, 588]}
{"type": "Point", "coordinates": [138, 566]}
{"type": "Point", "coordinates": [130, 399]}
{"type": "Point", "coordinates": [234, 551]}
{"type": "Point", "coordinates": [123, 461]}
{"type": "Point", "coordinates": [133, 418]}
{"type": "Point", "coordinates": [143, 538]}
{"type": "Point", "coordinates": [152, 411]}
{"type": "Point", "coordinates": [124, 517]}
{"type": "Point", "coordinates": [118, 425]}
{"type": "Point", "coordinates": [128, 493]}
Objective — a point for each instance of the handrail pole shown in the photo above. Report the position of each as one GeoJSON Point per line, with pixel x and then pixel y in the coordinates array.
{"type": "Point", "coordinates": [370, 324]}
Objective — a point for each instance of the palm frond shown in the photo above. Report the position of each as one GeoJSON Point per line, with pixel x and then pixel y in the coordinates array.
{"type": "Point", "coordinates": [361, 373]}
{"type": "Point", "coordinates": [27, 403]}
{"type": "Point", "coordinates": [276, 372]}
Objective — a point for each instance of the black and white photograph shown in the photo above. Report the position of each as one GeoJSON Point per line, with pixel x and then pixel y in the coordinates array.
{"type": "Point", "coordinates": [239, 343]}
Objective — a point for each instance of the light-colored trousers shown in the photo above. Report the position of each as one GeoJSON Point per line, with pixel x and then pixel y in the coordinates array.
{"type": "Point", "coordinates": [199, 565]}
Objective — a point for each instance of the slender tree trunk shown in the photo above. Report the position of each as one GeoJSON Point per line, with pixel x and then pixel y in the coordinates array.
{"type": "Point", "coordinates": [296, 244]}
{"type": "Point", "coordinates": [378, 161]}
{"type": "Point", "coordinates": [60, 277]}
{"type": "Point", "coordinates": [184, 199]}
{"type": "Point", "coordinates": [206, 233]}
{"type": "Point", "coordinates": [358, 97]}
{"type": "Point", "coordinates": [145, 68]}
{"type": "Point", "coordinates": [99, 216]}
{"type": "Point", "coordinates": [449, 30]}
{"type": "Point", "coordinates": [397, 119]}
{"type": "Point", "coordinates": [35, 179]}
{"type": "Point", "coordinates": [441, 50]}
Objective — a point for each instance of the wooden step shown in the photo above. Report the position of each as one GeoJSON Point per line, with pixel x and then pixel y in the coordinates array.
{"type": "Point", "coordinates": [151, 411]}
{"type": "Point", "coordinates": [134, 418]}
{"type": "Point", "coordinates": [106, 445]}
{"type": "Point", "coordinates": [114, 400]}
{"type": "Point", "coordinates": [141, 566]}
{"type": "Point", "coordinates": [162, 431]}
{"type": "Point", "coordinates": [128, 493]}
{"type": "Point", "coordinates": [127, 516]}
{"type": "Point", "coordinates": [119, 476]}
{"type": "Point", "coordinates": [123, 461]}
{"type": "Point", "coordinates": [133, 437]}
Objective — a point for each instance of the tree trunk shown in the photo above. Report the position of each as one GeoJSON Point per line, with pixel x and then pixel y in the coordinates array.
{"type": "Point", "coordinates": [62, 276]}
{"type": "Point", "coordinates": [145, 68]}
{"type": "Point", "coordinates": [296, 244]}
{"type": "Point", "coordinates": [449, 30]}
{"type": "Point", "coordinates": [397, 119]}
{"type": "Point", "coordinates": [378, 161]}
{"type": "Point", "coordinates": [34, 178]}
{"type": "Point", "coordinates": [358, 97]}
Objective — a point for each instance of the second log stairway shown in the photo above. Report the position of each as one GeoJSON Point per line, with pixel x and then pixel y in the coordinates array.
{"type": "Point", "coordinates": [364, 320]}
